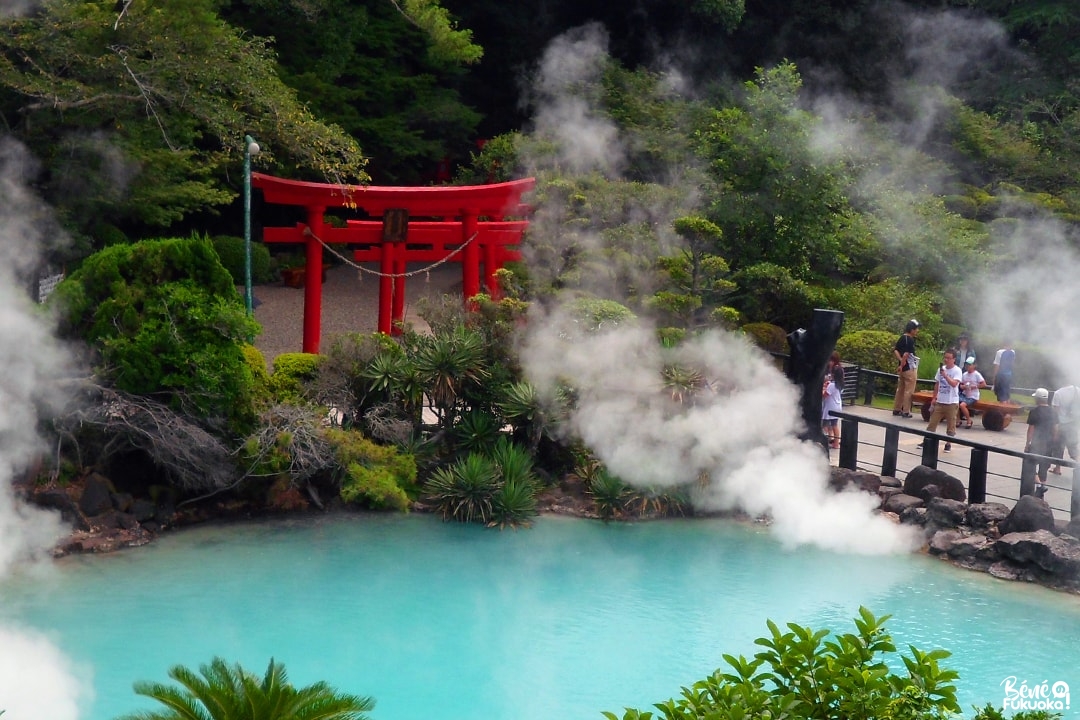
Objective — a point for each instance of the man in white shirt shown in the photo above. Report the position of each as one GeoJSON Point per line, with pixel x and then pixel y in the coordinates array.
{"type": "Point", "coordinates": [1067, 403]}
{"type": "Point", "coordinates": [947, 399]}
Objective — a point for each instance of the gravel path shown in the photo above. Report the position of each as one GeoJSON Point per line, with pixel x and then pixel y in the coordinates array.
{"type": "Point", "coordinates": [350, 303]}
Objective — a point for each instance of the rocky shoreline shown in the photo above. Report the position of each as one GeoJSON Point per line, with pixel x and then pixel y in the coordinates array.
{"type": "Point", "coordinates": [1023, 543]}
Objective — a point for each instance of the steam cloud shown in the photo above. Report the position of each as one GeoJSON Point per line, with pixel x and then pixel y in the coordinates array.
{"type": "Point", "coordinates": [36, 680]}
{"type": "Point", "coordinates": [1034, 299]}
{"type": "Point", "coordinates": [736, 444]}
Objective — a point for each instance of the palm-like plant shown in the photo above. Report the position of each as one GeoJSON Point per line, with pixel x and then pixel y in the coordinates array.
{"type": "Point", "coordinates": [609, 493]}
{"type": "Point", "coordinates": [228, 692]}
{"type": "Point", "coordinates": [682, 383]}
{"type": "Point", "coordinates": [514, 463]}
{"type": "Point", "coordinates": [447, 363]}
{"type": "Point", "coordinates": [521, 404]}
{"type": "Point", "coordinates": [476, 431]}
{"type": "Point", "coordinates": [464, 491]}
{"type": "Point", "coordinates": [513, 505]}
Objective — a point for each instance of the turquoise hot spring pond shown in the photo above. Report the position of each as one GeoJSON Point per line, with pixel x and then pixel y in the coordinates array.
{"type": "Point", "coordinates": [441, 621]}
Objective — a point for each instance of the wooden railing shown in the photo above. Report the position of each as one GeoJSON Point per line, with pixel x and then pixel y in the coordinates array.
{"type": "Point", "coordinates": [977, 466]}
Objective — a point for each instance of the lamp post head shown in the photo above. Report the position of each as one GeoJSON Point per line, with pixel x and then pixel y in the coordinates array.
{"type": "Point", "coordinates": [252, 147]}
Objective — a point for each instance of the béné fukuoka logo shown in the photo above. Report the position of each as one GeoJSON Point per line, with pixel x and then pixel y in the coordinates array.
{"type": "Point", "coordinates": [1019, 695]}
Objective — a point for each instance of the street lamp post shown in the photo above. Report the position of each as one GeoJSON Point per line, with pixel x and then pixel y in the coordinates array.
{"type": "Point", "coordinates": [250, 148]}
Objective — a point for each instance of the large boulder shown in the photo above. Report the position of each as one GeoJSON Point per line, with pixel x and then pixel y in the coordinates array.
{"type": "Point", "coordinates": [1029, 515]}
{"type": "Point", "coordinates": [1044, 550]}
{"type": "Point", "coordinates": [983, 515]}
{"type": "Point", "coordinates": [97, 495]}
{"type": "Point", "coordinates": [922, 476]}
{"type": "Point", "coordinates": [945, 513]}
{"type": "Point", "coordinates": [901, 502]}
{"type": "Point", "coordinates": [843, 479]}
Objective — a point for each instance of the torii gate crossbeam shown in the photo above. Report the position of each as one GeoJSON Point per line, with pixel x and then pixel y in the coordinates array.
{"type": "Point", "coordinates": [462, 224]}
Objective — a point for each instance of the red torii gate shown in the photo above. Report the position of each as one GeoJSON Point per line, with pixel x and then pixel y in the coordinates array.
{"type": "Point", "coordinates": [464, 225]}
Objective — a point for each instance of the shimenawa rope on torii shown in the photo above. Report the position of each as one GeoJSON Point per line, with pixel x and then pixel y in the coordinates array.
{"type": "Point", "coordinates": [376, 273]}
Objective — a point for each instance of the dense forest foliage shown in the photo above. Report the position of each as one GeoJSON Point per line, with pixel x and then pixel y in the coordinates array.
{"type": "Point", "coordinates": [833, 146]}
{"type": "Point", "coordinates": [699, 163]}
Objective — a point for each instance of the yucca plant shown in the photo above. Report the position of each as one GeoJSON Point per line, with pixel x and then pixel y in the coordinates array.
{"type": "Point", "coordinates": [464, 490]}
{"type": "Point", "coordinates": [514, 463]}
{"type": "Point", "coordinates": [447, 363]}
{"type": "Point", "coordinates": [520, 403]}
{"type": "Point", "coordinates": [476, 431]}
{"type": "Point", "coordinates": [682, 383]}
{"type": "Point", "coordinates": [514, 504]}
{"type": "Point", "coordinates": [609, 492]}
{"type": "Point", "coordinates": [656, 502]}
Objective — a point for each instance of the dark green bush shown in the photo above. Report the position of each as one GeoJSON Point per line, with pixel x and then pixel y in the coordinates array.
{"type": "Point", "coordinates": [767, 336]}
{"type": "Point", "coordinates": [291, 372]}
{"type": "Point", "coordinates": [513, 505]}
{"type": "Point", "coordinates": [476, 431]}
{"type": "Point", "coordinates": [609, 493]}
{"type": "Point", "coordinates": [166, 320]}
{"type": "Point", "coordinates": [871, 349]}
{"type": "Point", "coordinates": [230, 251]}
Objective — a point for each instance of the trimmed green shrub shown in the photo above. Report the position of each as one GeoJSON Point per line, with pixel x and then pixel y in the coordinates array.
{"type": "Point", "coordinates": [256, 363]}
{"type": "Point", "coordinates": [166, 321]}
{"type": "Point", "coordinates": [872, 349]}
{"type": "Point", "coordinates": [230, 251]}
{"type": "Point", "coordinates": [596, 314]}
{"type": "Point", "coordinates": [291, 372]}
{"type": "Point", "coordinates": [375, 476]}
{"type": "Point", "coordinates": [767, 336]}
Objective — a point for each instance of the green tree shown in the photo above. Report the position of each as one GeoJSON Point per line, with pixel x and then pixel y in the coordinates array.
{"type": "Point", "coordinates": [777, 201]}
{"type": "Point", "coordinates": [696, 278]}
{"type": "Point", "coordinates": [220, 691]}
{"type": "Point", "coordinates": [386, 72]}
{"type": "Point", "coordinates": [165, 320]}
{"type": "Point", "coordinates": [137, 108]}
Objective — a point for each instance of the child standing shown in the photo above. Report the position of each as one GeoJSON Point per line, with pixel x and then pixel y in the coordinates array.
{"type": "Point", "coordinates": [831, 401]}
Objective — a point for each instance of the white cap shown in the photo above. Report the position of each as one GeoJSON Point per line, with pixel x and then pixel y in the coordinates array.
{"type": "Point", "coordinates": [1041, 394]}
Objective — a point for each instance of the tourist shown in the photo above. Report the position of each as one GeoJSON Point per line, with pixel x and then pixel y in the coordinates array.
{"type": "Point", "coordinates": [1066, 403]}
{"type": "Point", "coordinates": [964, 349]}
{"type": "Point", "coordinates": [971, 382]}
{"type": "Point", "coordinates": [1041, 433]}
{"type": "Point", "coordinates": [907, 366]}
{"type": "Point", "coordinates": [836, 369]}
{"type": "Point", "coordinates": [1004, 360]}
{"type": "Point", "coordinates": [947, 397]}
{"type": "Point", "coordinates": [831, 401]}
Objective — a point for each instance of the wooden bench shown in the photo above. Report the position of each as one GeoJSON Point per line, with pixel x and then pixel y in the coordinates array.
{"type": "Point", "coordinates": [995, 415]}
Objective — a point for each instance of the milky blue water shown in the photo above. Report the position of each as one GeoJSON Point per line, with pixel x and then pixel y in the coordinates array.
{"type": "Point", "coordinates": [443, 621]}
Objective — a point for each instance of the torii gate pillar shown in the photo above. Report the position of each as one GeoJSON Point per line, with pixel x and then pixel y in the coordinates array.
{"type": "Point", "coordinates": [313, 254]}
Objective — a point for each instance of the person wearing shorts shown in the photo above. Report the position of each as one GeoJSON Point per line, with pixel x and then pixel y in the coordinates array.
{"type": "Point", "coordinates": [971, 382]}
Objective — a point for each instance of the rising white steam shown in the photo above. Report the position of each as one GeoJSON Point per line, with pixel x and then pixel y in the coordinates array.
{"type": "Point", "coordinates": [565, 114]}
{"type": "Point", "coordinates": [1032, 296]}
{"type": "Point", "coordinates": [735, 442]}
{"type": "Point", "coordinates": [10, 8]}
{"type": "Point", "coordinates": [35, 679]}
